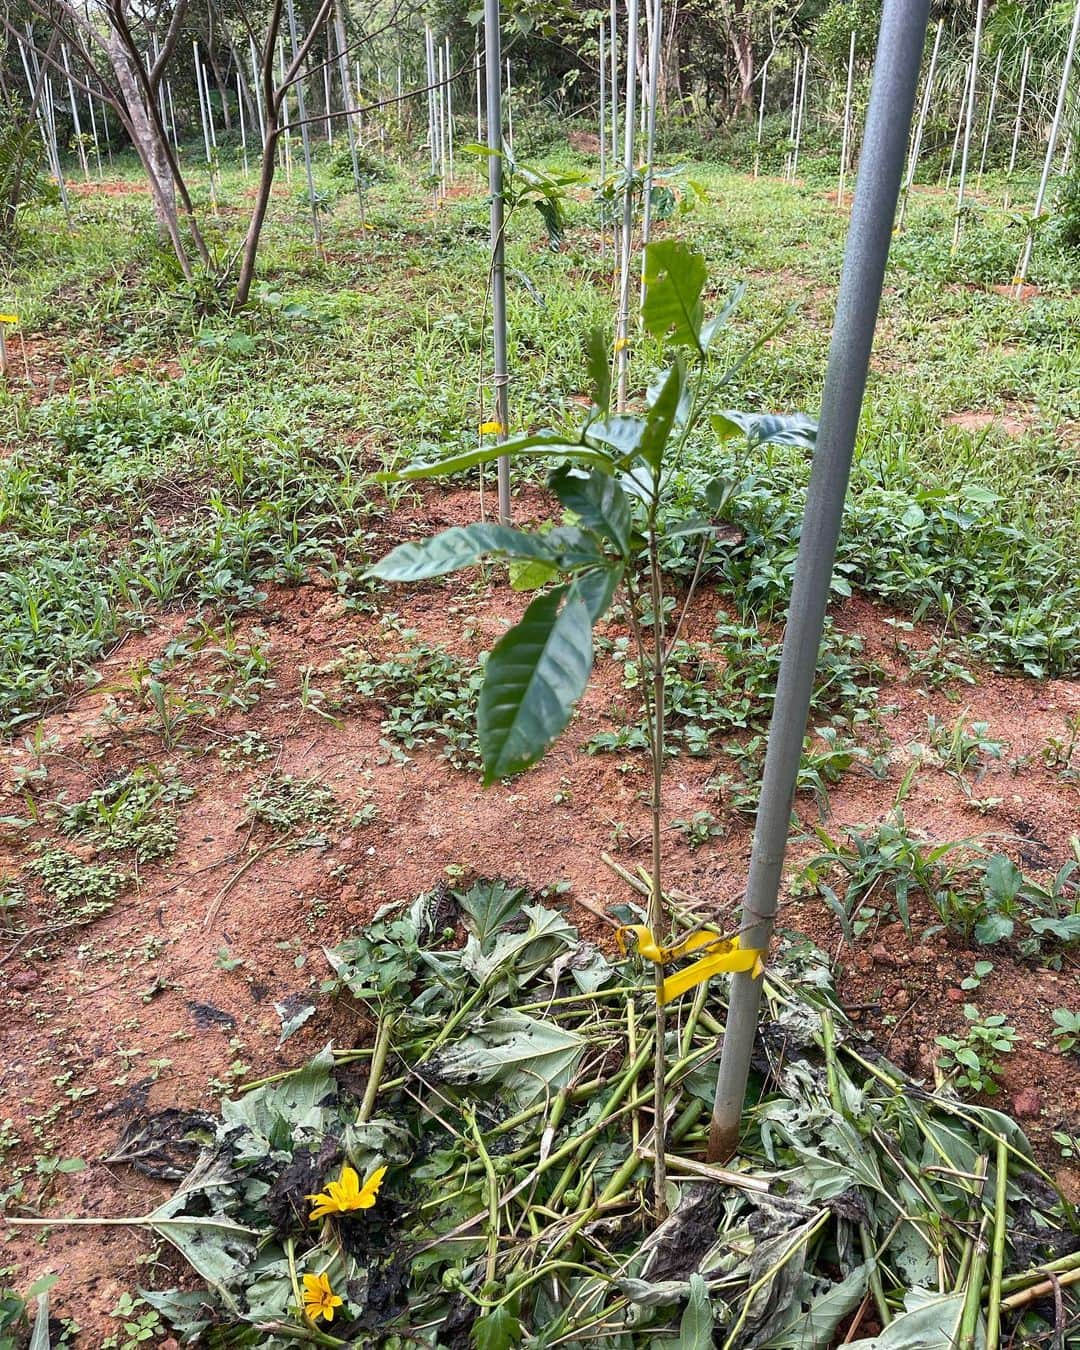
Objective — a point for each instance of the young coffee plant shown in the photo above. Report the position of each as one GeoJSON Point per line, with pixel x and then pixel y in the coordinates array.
{"type": "Point", "coordinates": [972, 1060]}
{"type": "Point", "coordinates": [611, 474]}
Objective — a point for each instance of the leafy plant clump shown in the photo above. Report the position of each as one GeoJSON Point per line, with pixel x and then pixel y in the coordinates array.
{"type": "Point", "coordinates": [135, 813]}
{"type": "Point", "coordinates": [429, 697]}
{"type": "Point", "coordinates": [480, 1171]}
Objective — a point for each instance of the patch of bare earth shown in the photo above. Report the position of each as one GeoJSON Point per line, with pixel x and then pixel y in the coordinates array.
{"type": "Point", "coordinates": [135, 1011]}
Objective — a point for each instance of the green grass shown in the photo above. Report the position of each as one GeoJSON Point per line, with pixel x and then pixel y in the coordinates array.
{"type": "Point", "coordinates": [142, 487]}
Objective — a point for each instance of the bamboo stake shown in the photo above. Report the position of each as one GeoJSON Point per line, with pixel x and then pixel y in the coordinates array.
{"type": "Point", "coordinates": [46, 125]}
{"type": "Point", "coordinates": [916, 145]}
{"type": "Point", "coordinates": [479, 106]}
{"type": "Point", "coordinates": [256, 84]}
{"type": "Point", "coordinates": [959, 126]}
{"type": "Point", "coordinates": [847, 123]}
{"type": "Point", "coordinates": [655, 8]}
{"type": "Point", "coordinates": [347, 96]}
{"type": "Point", "coordinates": [105, 130]}
{"type": "Point", "coordinates": [433, 150]}
{"type": "Point", "coordinates": [603, 133]}
{"type": "Point", "coordinates": [243, 130]}
{"type": "Point", "coordinates": [761, 114]}
{"type": "Point", "coordinates": [509, 109]}
{"type": "Point", "coordinates": [989, 120]}
{"type": "Point", "coordinates": [94, 134]}
{"type": "Point", "coordinates": [172, 120]}
{"type": "Point", "coordinates": [286, 138]}
{"type": "Point", "coordinates": [794, 115]}
{"type": "Point", "coordinates": [622, 331]}
{"type": "Point", "coordinates": [802, 110]}
{"type": "Point", "coordinates": [449, 114]}
{"type": "Point", "coordinates": [328, 121]}
{"type": "Point", "coordinates": [500, 374]}
{"type": "Point", "coordinates": [969, 122]}
{"type": "Point", "coordinates": [76, 124]}
{"type": "Point", "coordinates": [305, 138]}
{"type": "Point", "coordinates": [209, 106]}
{"type": "Point", "coordinates": [202, 106]}
{"type": "Point", "coordinates": [1055, 129]}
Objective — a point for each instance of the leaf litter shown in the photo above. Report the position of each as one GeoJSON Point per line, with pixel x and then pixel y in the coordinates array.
{"type": "Point", "coordinates": [508, 1095]}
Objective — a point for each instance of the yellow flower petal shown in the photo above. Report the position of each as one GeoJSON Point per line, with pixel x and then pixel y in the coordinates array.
{"type": "Point", "coordinates": [367, 1196]}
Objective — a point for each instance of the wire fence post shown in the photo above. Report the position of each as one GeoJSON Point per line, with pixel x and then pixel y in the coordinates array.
{"type": "Point", "coordinates": [888, 122]}
{"type": "Point", "coordinates": [969, 122]}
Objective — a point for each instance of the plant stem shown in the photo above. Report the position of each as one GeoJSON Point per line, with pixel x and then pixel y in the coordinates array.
{"type": "Point", "coordinates": [997, 1258]}
{"type": "Point", "coordinates": [378, 1064]}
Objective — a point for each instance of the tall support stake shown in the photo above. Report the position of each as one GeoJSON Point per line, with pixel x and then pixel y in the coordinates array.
{"type": "Point", "coordinates": [347, 97]}
{"type": "Point", "coordinates": [794, 115]}
{"type": "Point", "coordinates": [1025, 67]}
{"type": "Point", "coordinates": [802, 111]}
{"type": "Point", "coordinates": [449, 115]}
{"type": "Point", "coordinates": [202, 106]}
{"type": "Point", "coordinates": [959, 124]}
{"type": "Point", "coordinates": [888, 121]}
{"type": "Point", "coordinates": [76, 124]}
{"type": "Point", "coordinates": [509, 100]}
{"type": "Point", "coordinates": [924, 108]}
{"type": "Point", "coordinates": [655, 7]}
{"type": "Point", "coordinates": [305, 137]}
{"type": "Point", "coordinates": [845, 139]}
{"type": "Point", "coordinates": [1051, 150]}
{"type": "Point", "coordinates": [209, 107]}
{"type": "Point", "coordinates": [328, 120]}
{"type": "Point", "coordinates": [94, 134]}
{"type": "Point", "coordinates": [433, 133]}
{"type": "Point", "coordinates": [256, 84]}
{"type": "Point", "coordinates": [501, 374]}
{"type": "Point", "coordinates": [45, 120]}
{"type": "Point", "coordinates": [989, 119]}
{"type": "Point", "coordinates": [969, 121]}
{"type": "Point", "coordinates": [622, 328]}
{"type": "Point", "coordinates": [603, 131]}
{"type": "Point", "coordinates": [761, 114]}
{"type": "Point", "coordinates": [243, 128]}
{"type": "Point", "coordinates": [479, 102]}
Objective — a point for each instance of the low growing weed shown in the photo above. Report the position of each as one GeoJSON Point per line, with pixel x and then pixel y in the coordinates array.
{"type": "Point", "coordinates": [972, 1060]}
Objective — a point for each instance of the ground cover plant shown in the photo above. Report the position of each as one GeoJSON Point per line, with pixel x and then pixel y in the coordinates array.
{"type": "Point", "coordinates": [235, 758]}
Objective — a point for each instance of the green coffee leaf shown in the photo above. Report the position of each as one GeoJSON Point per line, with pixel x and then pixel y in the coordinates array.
{"type": "Point", "coordinates": [674, 279]}
{"type": "Point", "coordinates": [534, 677]}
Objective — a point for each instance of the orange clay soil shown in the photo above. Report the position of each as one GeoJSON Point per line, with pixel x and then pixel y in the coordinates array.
{"type": "Point", "coordinates": [132, 1013]}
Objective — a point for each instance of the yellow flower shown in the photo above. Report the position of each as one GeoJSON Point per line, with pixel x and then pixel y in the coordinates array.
{"type": "Point", "coordinates": [319, 1299]}
{"type": "Point", "coordinates": [346, 1193]}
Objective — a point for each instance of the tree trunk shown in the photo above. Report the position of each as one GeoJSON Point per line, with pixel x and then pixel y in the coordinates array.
{"type": "Point", "coordinates": [738, 29]}
{"type": "Point", "coordinates": [151, 152]}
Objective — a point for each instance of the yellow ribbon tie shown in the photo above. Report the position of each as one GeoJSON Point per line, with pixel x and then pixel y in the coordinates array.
{"type": "Point", "coordinates": [491, 429]}
{"type": "Point", "coordinates": [721, 954]}
{"type": "Point", "coordinates": [9, 318]}
{"type": "Point", "coordinates": [621, 344]}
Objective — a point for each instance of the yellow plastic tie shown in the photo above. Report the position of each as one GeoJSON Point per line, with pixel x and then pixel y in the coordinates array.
{"type": "Point", "coordinates": [721, 954]}
{"type": "Point", "coordinates": [492, 429]}
{"type": "Point", "coordinates": [621, 344]}
{"type": "Point", "coordinates": [9, 318]}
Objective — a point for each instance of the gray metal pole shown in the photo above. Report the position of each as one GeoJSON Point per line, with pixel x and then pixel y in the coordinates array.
{"type": "Point", "coordinates": [888, 122]}
{"type": "Point", "coordinates": [493, 68]}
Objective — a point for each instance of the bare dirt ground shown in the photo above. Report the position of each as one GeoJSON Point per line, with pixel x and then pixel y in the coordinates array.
{"type": "Point", "coordinates": [135, 1012]}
